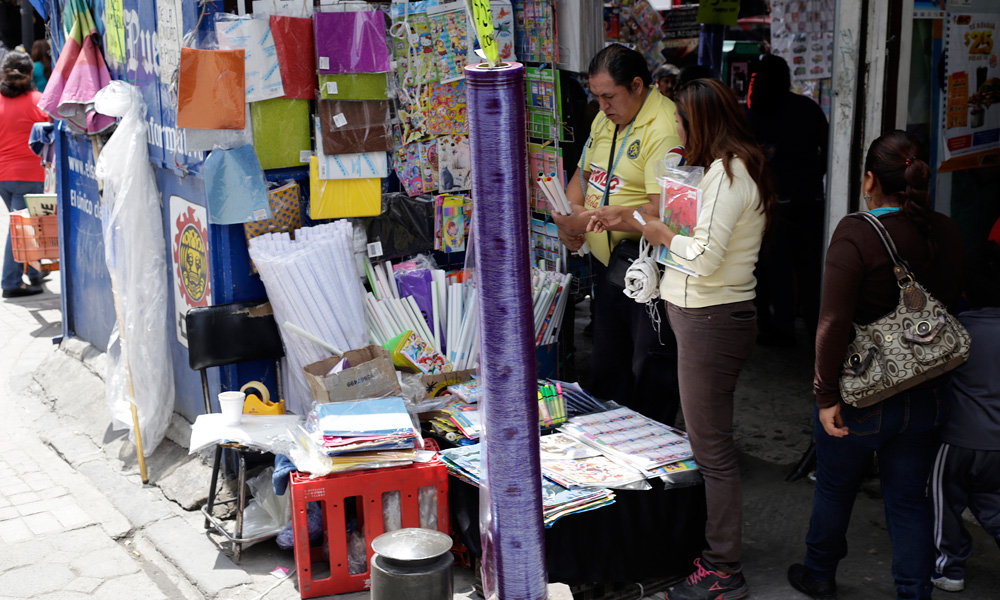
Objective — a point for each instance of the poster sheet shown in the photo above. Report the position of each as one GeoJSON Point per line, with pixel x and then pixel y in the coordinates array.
{"type": "Point", "coordinates": [972, 109]}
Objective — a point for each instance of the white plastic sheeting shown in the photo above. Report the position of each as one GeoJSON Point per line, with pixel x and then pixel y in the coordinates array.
{"type": "Point", "coordinates": [140, 369]}
{"type": "Point", "coordinates": [311, 282]}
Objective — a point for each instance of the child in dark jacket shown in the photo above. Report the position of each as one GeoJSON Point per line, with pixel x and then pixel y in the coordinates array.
{"type": "Point", "coordinates": [967, 470]}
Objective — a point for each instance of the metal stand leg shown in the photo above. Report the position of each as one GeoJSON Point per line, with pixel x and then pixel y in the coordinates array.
{"type": "Point", "coordinates": [213, 485]}
{"type": "Point", "coordinates": [242, 495]}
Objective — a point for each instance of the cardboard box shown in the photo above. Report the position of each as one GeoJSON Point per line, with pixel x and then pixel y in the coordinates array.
{"type": "Point", "coordinates": [371, 376]}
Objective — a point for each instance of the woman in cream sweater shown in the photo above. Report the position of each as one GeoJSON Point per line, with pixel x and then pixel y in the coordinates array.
{"type": "Point", "coordinates": [712, 313]}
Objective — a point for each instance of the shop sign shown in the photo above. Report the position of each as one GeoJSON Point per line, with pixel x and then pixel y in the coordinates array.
{"type": "Point", "coordinates": [189, 252]}
{"type": "Point", "coordinates": [972, 111]}
{"type": "Point", "coordinates": [719, 12]}
{"type": "Point", "coordinates": [681, 24]}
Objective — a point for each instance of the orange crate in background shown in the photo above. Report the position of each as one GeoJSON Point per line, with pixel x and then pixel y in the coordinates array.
{"type": "Point", "coordinates": [34, 238]}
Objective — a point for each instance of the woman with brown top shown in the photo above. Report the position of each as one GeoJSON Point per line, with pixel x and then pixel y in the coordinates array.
{"type": "Point", "coordinates": [903, 431]}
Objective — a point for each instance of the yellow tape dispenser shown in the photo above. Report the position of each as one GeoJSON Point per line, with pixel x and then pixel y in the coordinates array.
{"type": "Point", "coordinates": [258, 400]}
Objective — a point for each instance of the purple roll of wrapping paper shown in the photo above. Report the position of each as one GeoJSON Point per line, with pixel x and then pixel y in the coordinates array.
{"type": "Point", "coordinates": [513, 539]}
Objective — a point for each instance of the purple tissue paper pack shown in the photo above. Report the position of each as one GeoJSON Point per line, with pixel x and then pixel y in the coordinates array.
{"type": "Point", "coordinates": [351, 42]}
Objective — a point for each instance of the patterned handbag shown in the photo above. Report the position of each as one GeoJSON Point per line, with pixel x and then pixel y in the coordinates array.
{"type": "Point", "coordinates": [916, 342]}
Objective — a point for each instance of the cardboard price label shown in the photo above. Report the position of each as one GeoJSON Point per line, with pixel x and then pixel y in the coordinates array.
{"type": "Point", "coordinates": [482, 17]}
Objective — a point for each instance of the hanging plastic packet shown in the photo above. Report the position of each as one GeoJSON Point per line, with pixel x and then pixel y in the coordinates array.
{"type": "Point", "coordinates": [404, 227]}
{"type": "Point", "coordinates": [263, 77]}
{"type": "Point", "coordinates": [286, 214]}
{"type": "Point", "coordinates": [349, 127]}
{"type": "Point", "coordinates": [680, 203]}
{"type": "Point", "coordinates": [351, 42]}
{"type": "Point", "coordinates": [211, 91]}
{"type": "Point", "coordinates": [296, 51]}
{"type": "Point", "coordinates": [340, 198]}
{"type": "Point", "coordinates": [235, 188]}
{"type": "Point", "coordinates": [354, 86]}
{"type": "Point", "coordinates": [281, 131]}
{"type": "Point", "coordinates": [359, 165]}
{"type": "Point", "coordinates": [284, 8]}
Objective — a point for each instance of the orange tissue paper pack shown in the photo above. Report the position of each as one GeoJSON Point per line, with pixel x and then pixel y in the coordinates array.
{"type": "Point", "coordinates": [211, 91]}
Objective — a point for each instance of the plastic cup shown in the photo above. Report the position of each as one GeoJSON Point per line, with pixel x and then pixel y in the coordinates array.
{"type": "Point", "coordinates": [231, 404]}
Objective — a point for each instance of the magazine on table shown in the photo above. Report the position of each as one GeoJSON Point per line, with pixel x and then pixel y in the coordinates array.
{"type": "Point", "coordinates": [596, 471]}
{"type": "Point", "coordinates": [560, 446]}
{"type": "Point", "coordinates": [624, 434]}
{"type": "Point", "coordinates": [680, 204]}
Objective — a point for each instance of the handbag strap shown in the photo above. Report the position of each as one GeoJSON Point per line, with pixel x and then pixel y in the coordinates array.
{"type": "Point", "coordinates": [900, 268]}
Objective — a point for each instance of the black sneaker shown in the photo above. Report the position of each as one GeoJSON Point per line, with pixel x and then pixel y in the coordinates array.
{"type": "Point", "coordinates": [803, 581]}
{"type": "Point", "coordinates": [24, 290]}
{"type": "Point", "coordinates": [709, 584]}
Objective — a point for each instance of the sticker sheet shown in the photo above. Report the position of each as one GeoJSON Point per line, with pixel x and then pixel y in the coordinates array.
{"type": "Point", "coordinates": [802, 34]}
{"type": "Point", "coordinates": [429, 160]}
{"type": "Point", "coordinates": [503, 30]}
{"type": "Point", "coordinates": [454, 163]}
{"type": "Point", "coordinates": [449, 32]}
{"type": "Point", "coordinates": [416, 57]}
{"type": "Point", "coordinates": [446, 109]}
{"type": "Point", "coordinates": [409, 169]}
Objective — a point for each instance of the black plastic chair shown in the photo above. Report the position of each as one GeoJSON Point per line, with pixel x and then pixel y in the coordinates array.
{"type": "Point", "coordinates": [222, 335]}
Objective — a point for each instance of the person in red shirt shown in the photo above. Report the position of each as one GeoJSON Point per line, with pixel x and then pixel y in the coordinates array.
{"type": "Point", "coordinates": [21, 172]}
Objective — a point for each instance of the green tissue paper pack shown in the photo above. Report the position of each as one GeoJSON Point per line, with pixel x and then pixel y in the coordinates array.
{"type": "Point", "coordinates": [281, 132]}
{"type": "Point", "coordinates": [354, 86]}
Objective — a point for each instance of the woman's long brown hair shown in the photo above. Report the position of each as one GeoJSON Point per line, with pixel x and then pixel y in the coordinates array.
{"type": "Point", "coordinates": [717, 127]}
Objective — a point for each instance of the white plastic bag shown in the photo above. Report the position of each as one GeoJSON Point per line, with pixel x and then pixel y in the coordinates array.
{"type": "Point", "coordinates": [140, 369]}
{"type": "Point", "coordinates": [266, 513]}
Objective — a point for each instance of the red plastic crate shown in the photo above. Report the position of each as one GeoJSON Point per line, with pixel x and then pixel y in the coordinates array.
{"type": "Point", "coordinates": [333, 491]}
{"type": "Point", "coordinates": [34, 238]}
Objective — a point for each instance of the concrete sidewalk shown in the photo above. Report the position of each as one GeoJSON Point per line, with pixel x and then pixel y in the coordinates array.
{"type": "Point", "coordinates": [76, 521]}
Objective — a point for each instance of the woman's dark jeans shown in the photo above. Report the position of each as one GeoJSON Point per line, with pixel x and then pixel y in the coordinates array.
{"type": "Point", "coordinates": [903, 431]}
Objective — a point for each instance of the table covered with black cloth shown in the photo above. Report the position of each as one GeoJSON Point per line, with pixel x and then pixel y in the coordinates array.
{"type": "Point", "coordinates": [647, 534]}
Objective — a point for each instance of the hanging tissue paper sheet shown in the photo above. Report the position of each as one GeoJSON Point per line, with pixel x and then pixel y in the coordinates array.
{"type": "Point", "coordinates": [362, 165]}
{"type": "Point", "coordinates": [206, 140]}
{"type": "Point", "coordinates": [359, 165]}
{"type": "Point", "coordinates": [235, 187]}
{"type": "Point", "coordinates": [339, 198]}
{"type": "Point", "coordinates": [351, 42]}
{"type": "Point", "coordinates": [296, 49]}
{"type": "Point", "coordinates": [349, 127]}
{"type": "Point", "coordinates": [354, 86]}
{"type": "Point", "coordinates": [281, 131]}
{"type": "Point", "coordinates": [211, 92]}
{"type": "Point", "coordinates": [263, 77]}
{"type": "Point", "coordinates": [513, 541]}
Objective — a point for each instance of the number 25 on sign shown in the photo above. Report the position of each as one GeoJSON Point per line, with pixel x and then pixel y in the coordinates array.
{"type": "Point", "coordinates": [979, 41]}
{"type": "Point", "coordinates": [483, 19]}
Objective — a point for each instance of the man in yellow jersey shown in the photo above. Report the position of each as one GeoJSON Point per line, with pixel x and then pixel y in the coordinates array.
{"type": "Point", "coordinates": [632, 363]}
